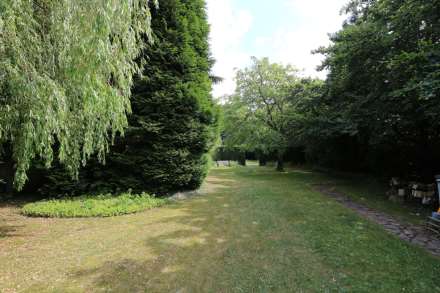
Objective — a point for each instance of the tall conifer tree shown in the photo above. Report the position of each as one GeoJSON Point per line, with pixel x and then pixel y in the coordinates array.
{"type": "Point", "coordinates": [173, 123]}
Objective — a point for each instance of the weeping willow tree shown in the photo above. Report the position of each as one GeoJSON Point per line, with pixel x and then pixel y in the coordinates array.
{"type": "Point", "coordinates": [66, 70]}
{"type": "Point", "coordinates": [173, 124]}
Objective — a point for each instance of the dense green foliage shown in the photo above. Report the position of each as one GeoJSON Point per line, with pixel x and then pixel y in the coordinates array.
{"type": "Point", "coordinates": [173, 123]}
{"type": "Point", "coordinates": [265, 113]}
{"type": "Point", "coordinates": [380, 111]}
{"type": "Point", "coordinates": [105, 205]}
{"type": "Point", "coordinates": [257, 116]}
{"type": "Point", "coordinates": [66, 76]}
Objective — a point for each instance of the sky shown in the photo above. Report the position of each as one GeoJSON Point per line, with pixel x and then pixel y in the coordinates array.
{"type": "Point", "coordinates": [286, 31]}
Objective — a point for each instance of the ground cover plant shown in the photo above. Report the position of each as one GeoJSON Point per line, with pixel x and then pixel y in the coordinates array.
{"type": "Point", "coordinates": [104, 205]}
{"type": "Point", "coordinates": [252, 230]}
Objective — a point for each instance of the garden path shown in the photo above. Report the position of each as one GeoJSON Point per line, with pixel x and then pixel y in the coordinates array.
{"type": "Point", "coordinates": [411, 233]}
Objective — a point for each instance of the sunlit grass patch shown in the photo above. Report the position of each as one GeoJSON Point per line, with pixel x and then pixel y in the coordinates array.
{"type": "Point", "coordinates": [105, 205]}
{"type": "Point", "coordinates": [251, 229]}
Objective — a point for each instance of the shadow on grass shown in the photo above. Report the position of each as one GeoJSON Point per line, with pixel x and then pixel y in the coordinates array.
{"type": "Point", "coordinates": [9, 231]}
{"type": "Point", "coordinates": [9, 211]}
{"type": "Point", "coordinates": [19, 200]}
{"type": "Point", "coordinates": [175, 254]}
{"type": "Point", "coordinates": [179, 260]}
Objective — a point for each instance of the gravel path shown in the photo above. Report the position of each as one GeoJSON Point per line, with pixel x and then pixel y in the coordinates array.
{"type": "Point", "coordinates": [408, 232]}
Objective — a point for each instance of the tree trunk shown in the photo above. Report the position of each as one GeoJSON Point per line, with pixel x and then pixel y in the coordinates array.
{"type": "Point", "coordinates": [262, 160]}
{"type": "Point", "coordinates": [280, 161]}
{"type": "Point", "coordinates": [7, 172]}
{"type": "Point", "coordinates": [242, 159]}
{"type": "Point", "coordinates": [10, 172]}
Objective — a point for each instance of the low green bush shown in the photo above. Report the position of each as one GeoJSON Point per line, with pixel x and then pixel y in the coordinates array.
{"type": "Point", "coordinates": [106, 205]}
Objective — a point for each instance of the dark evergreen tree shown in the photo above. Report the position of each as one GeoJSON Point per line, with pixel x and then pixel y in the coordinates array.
{"type": "Point", "coordinates": [173, 123]}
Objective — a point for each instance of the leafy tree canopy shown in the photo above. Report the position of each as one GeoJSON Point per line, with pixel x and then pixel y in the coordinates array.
{"type": "Point", "coordinates": [66, 73]}
{"type": "Point", "coordinates": [384, 83]}
{"type": "Point", "coordinates": [265, 112]}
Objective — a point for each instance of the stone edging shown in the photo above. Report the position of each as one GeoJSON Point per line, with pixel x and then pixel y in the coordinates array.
{"type": "Point", "coordinates": [410, 233]}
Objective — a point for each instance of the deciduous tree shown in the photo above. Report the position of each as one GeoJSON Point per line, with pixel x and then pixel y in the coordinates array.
{"type": "Point", "coordinates": [262, 108]}
{"type": "Point", "coordinates": [66, 72]}
{"type": "Point", "coordinates": [383, 88]}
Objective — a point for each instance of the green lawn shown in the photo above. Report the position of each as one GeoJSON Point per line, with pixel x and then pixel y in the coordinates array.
{"type": "Point", "coordinates": [254, 230]}
{"type": "Point", "coordinates": [372, 193]}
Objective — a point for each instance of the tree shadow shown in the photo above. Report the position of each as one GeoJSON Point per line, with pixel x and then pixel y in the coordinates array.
{"type": "Point", "coordinates": [180, 259]}
{"type": "Point", "coordinates": [10, 222]}
{"type": "Point", "coordinates": [19, 200]}
{"type": "Point", "coordinates": [9, 231]}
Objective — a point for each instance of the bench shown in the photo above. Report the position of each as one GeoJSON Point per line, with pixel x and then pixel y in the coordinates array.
{"type": "Point", "coordinates": [223, 163]}
{"type": "Point", "coordinates": [433, 225]}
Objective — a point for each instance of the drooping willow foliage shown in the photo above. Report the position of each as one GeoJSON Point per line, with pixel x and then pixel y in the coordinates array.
{"type": "Point", "coordinates": [174, 121]}
{"type": "Point", "coordinates": [66, 70]}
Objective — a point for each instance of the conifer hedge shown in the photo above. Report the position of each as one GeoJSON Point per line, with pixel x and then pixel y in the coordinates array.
{"type": "Point", "coordinates": [173, 125]}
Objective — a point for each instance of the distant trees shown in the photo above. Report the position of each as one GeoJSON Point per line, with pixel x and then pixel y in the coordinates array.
{"type": "Point", "coordinates": [378, 109]}
{"type": "Point", "coordinates": [381, 108]}
{"type": "Point", "coordinates": [264, 115]}
{"type": "Point", "coordinates": [173, 125]}
{"type": "Point", "coordinates": [245, 133]}
{"type": "Point", "coordinates": [66, 72]}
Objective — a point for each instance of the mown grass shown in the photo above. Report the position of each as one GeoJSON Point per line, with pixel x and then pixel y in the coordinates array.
{"type": "Point", "coordinates": [254, 230]}
{"type": "Point", "coordinates": [105, 205]}
{"type": "Point", "coordinates": [373, 193]}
